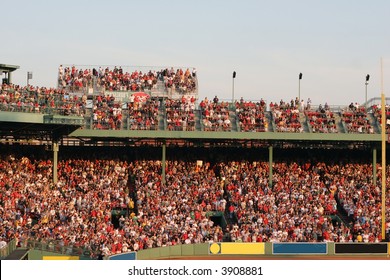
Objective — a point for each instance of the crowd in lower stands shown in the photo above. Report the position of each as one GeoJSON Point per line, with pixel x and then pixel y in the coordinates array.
{"type": "Point", "coordinates": [80, 210]}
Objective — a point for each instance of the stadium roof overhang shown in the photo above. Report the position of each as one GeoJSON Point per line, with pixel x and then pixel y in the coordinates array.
{"type": "Point", "coordinates": [8, 67]}
{"type": "Point", "coordinates": [26, 126]}
{"type": "Point", "coordinates": [227, 139]}
{"type": "Point", "coordinates": [35, 131]}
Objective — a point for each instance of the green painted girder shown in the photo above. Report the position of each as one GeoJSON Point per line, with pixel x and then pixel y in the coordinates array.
{"type": "Point", "coordinates": [159, 134]}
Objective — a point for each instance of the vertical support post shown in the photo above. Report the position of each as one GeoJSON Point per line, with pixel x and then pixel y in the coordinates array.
{"type": "Point", "coordinates": [367, 79]}
{"type": "Point", "coordinates": [55, 161]}
{"type": "Point", "coordinates": [299, 91]}
{"type": "Point", "coordinates": [270, 157]}
{"type": "Point", "coordinates": [383, 134]}
{"type": "Point", "coordinates": [163, 162]}
{"type": "Point", "coordinates": [233, 92]}
{"type": "Point", "coordinates": [383, 167]}
{"type": "Point", "coordinates": [234, 76]}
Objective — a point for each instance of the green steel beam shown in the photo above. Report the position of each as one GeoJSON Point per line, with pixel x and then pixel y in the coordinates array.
{"type": "Point", "coordinates": [158, 134]}
{"type": "Point", "coordinates": [21, 117]}
{"type": "Point", "coordinates": [163, 161]}
{"type": "Point", "coordinates": [55, 161]}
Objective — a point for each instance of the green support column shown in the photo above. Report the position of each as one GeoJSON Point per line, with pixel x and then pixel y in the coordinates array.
{"type": "Point", "coordinates": [164, 148]}
{"type": "Point", "coordinates": [374, 180]}
{"type": "Point", "coordinates": [55, 161]}
{"type": "Point", "coordinates": [270, 155]}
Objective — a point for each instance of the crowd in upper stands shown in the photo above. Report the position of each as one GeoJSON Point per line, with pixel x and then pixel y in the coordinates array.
{"type": "Point", "coordinates": [322, 120]}
{"type": "Point", "coordinates": [110, 112]}
{"type": "Point", "coordinates": [179, 80]}
{"type": "Point", "coordinates": [286, 116]}
{"type": "Point", "coordinates": [251, 116]}
{"type": "Point", "coordinates": [78, 210]}
{"type": "Point", "coordinates": [356, 119]}
{"type": "Point", "coordinates": [215, 115]}
{"type": "Point", "coordinates": [376, 110]}
{"type": "Point", "coordinates": [180, 114]}
{"type": "Point", "coordinates": [30, 99]}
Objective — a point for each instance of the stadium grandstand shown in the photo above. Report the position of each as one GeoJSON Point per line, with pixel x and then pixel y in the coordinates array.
{"type": "Point", "coordinates": [123, 159]}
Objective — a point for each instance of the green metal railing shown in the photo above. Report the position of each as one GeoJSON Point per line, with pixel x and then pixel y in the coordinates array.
{"type": "Point", "coordinates": [8, 249]}
{"type": "Point", "coordinates": [59, 248]}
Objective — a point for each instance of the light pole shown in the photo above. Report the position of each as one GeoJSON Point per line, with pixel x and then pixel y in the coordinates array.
{"type": "Point", "coordinates": [299, 87]}
{"type": "Point", "coordinates": [29, 77]}
{"type": "Point", "coordinates": [367, 79]}
{"type": "Point", "coordinates": [234, 76]}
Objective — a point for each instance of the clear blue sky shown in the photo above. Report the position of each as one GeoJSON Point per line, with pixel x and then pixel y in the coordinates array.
{"type": "Point", "coordinates": [334, 43]}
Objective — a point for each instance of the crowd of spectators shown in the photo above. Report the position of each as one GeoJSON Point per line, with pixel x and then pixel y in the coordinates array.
{"type": "Point", "coordinates": [80, 209]}
{"type": "Point", "coordinates": [377, 112]}
{"type": "Point", "coordinates": [360, 198]}
{"type": "Point", "coordinates": [178, 80]}
{"type": "Point", "coordinates": [30, 99]}
{"type": "Point", "coordinates": [251, 116]}
{"type": "Point", "coordinates": [117, 79]}
{"type": "Point", "coordinates": [77, 211]}
{"type": "Point", "coordinates": [296, 208]}
{"type": "Point", "coordinates": [180, 113]}
{"type": "Point", "coordinates": [322, 120]}
{"type": "Point", "coordinates": [286, 116]}
{"type": "Point", "coordinates": [215, 115]}
{"type": "Point", "coordinates": [108, 113]}
{"type": "Point", "coordinates": [356, 119]}
{"type": "Point", "coordinates": [143, 115]}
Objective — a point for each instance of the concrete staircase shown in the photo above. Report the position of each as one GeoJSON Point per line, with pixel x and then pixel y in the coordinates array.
{"type": "Point", "coordinates": [234, 121]}
{"type": "Point", "coordinates": [374, 122]}
{"type": "Point", "coordinates": [304, 122]}
{"type": "Point", "coordinates": [198, 120]}
{"type": "Point", "coordinates": [340, 125]}
{"type": "Point", "coordinates": [270, 120]}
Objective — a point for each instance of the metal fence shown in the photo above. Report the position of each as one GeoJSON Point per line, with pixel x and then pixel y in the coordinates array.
{"type": "Point", "coordinates": [59, 248]}
{"type": "Point", "coordinates": [8, 249]}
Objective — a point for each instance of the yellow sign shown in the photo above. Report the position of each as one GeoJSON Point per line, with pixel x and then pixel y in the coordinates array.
{"type": "Point", "coordinates": [215, 248]}
{"type": "Point", "coordinates": [232, 248]}
{"type": "Point", "coordinates": [60, 258]}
